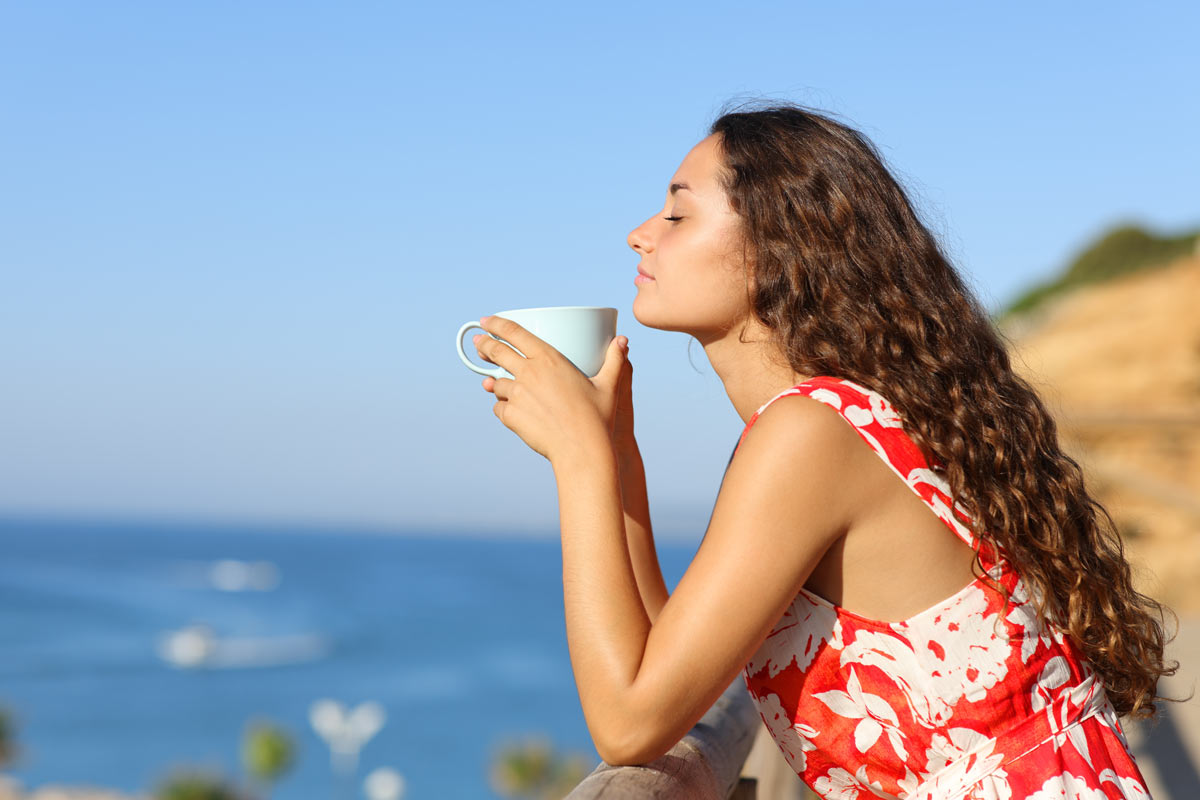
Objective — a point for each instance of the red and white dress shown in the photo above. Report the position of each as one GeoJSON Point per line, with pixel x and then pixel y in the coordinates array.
{"type": "Point", "coordinates": [955, 702]}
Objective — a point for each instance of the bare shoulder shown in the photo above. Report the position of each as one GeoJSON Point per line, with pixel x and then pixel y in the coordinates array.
{"type": "Point", "coordinates": [802, 432]}
{"type": "Point", "coordinates": [797, 461]}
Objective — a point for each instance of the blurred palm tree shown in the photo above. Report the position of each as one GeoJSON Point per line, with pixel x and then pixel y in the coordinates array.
{"type": "Point", "coordinates": [8, 738]}
{"type": "Point", "coordinates": [192, 784]}
{"type": "Point", "coordinates": [268, 751]}
{"type": "Point", "coordinates": [533, 770]}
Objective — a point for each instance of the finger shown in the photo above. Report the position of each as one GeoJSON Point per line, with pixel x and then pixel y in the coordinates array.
{"type": "Point", "coordinates": [614, 359]}
{"type": "Point", "coordinates": [498, 352]}
{"type": "Point", "coordinates": [517, 336]}
{"type": "Point", "coordinates": [488, 386]}
{"type": "Point", "coordinates": [502, 387]}
{"type": "Point", "coordinates": [626, 380]}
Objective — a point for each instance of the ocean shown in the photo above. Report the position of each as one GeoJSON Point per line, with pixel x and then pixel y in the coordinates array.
{"type": "Point", "coordinates": [130, 650]}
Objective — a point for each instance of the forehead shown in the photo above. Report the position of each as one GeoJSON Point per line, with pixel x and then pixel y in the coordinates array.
{"type": "Point", "coordinates": [700, 168]}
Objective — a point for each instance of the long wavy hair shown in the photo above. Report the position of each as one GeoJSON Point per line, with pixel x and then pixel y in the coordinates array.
{"type": "Point", "coordinates": [852, 284]}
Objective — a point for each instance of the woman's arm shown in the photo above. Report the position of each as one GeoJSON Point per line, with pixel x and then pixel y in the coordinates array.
{"type": "Point", "coordinates": [638, 535]}
{"type": "Point", "coordinates": [783, 501]}
{"type": "Point", "coordinates": [607, 623]}
{"type": "Point", "coordinates": [642, 686]}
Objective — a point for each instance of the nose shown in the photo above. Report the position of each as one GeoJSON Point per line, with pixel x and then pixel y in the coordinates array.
{"type": "Point", "coordinates": [639, 238]}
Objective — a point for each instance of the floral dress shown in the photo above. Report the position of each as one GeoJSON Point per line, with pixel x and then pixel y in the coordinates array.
{"type": "Point", "coordinates": [954, 702]}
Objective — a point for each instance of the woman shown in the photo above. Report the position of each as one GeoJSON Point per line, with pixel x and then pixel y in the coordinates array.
{"type": "Point", "coordinates": [983, 650]}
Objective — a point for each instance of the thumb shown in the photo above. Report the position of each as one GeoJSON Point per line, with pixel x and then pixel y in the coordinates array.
{"type": "Point", "coordinates": [614, 359]}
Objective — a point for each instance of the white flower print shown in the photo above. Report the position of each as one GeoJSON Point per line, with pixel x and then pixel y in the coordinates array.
{"type": "Point", "coordinates": [1076, 735]}
{"type": "Point", "coordinates": [796, 637]}
{"type": "Point", "coordinates": [945, 750]}
{"type": "Point", "coordinates": [895, 657]}
{"type": "Point", "coordinates": [1107, 717]}
{"type": "Point", "coordinates": [1131, 788]}
{"type": "Point", "coordinates": [1054, 674]}
{"type": "Point", "coordinates": [934, 479]}
{"type": "Point", "coordinates": [909, 783]}
{"type": "Point", "coordinates": [838, 784]}
{"type": "Point", "coordinates": [1024, 614]}
{"type": "Point", "coordinates": [885, 415]}
{"type": "Point", "coordinates": [835, 640]}
{"type": "Point", "coordinates": [1067, 787]}
{"type": "Point", "coordinates": [937, 503]}
{"type": "Point", "coordinates": [859, 417]}
{"type": "Point", "coordinates": [961, 648]}
{"type": "Point", "coordinates": [954, 654]}
{"type": "Point", "coordinates": [958, 762]}
{"type": "Point", "coordinates": [826, 396]}
{"type": "Point", "coordinates": [858, 387]}
{"type": "Point", "coordinates": [794, 740]}
{"type": "Point", "coordinates": [1064, 708]}
{"type": "Point", "coordinates": [866, 435]}
{"type": "Point", "coordinates": [876, 715]}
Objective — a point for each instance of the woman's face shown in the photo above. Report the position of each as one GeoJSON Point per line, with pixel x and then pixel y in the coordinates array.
{"type": "Point", "coordinates": [694, 258]}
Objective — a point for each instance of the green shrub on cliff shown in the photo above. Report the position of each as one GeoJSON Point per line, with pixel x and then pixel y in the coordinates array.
{"type": "Point", "coordinates": [1125, 248]}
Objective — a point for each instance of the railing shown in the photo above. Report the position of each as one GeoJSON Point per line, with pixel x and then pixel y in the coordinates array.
{"type": "Point", "coordinates": [705, 765]}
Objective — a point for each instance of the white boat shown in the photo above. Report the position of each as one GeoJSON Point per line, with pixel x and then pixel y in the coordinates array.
{"type": "Point", "coordinates": [198, 646]}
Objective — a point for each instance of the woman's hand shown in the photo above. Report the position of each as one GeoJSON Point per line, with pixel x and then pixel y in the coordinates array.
{"type": "Point", "coordinates": [549, 402]}
{"type": "Point", "coordinates": [622, 428]}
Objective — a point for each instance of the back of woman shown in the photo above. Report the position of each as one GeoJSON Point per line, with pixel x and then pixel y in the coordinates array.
{"type": "Point", "coordinates": [974, 696]}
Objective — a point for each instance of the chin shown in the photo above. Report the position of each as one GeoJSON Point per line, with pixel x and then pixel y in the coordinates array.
{"type": "Point", "coordinates": [648, 312]}
{"type": "Point", "coordinates": [651, 321]}
{"type": "Point", "coordinates": [645, 317]}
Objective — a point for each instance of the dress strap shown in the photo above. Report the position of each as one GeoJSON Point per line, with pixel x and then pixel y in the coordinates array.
{"type": "Point", "coordinates": [879, 425]}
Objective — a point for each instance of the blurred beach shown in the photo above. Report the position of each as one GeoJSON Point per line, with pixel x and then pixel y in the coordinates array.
{"type": "Point", "coordinates": [460, 640]}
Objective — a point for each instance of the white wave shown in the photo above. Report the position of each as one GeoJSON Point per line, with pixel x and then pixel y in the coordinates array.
{"type": "Point", "coordinates": [228, 575]}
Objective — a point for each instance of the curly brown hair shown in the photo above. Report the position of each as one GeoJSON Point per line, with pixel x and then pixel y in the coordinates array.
{"type": "Point", "coordinates": [852, 284]}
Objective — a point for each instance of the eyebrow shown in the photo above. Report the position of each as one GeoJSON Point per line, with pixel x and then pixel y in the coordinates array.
{"type": "Point", "coordinates": [675, 187]}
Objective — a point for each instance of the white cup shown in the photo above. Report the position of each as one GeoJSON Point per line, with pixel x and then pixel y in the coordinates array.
{"type": "Point", "coordinates": [581, 333]}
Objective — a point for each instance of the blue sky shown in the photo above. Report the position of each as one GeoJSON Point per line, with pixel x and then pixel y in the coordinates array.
{"type": "Point", "coordinates": [237, 238]}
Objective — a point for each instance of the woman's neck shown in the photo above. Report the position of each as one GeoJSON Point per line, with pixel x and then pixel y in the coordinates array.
{"type": "Point", "coordinates": [753, 371]}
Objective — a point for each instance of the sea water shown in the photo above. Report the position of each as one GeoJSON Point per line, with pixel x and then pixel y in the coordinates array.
{"type": "Point", "coordinates": [458, 637]}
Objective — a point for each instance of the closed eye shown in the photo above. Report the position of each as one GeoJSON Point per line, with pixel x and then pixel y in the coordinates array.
{"type": "Point", "coordinates": [673, 219]}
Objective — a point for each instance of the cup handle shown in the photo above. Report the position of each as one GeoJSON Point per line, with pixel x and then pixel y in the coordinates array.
{"type": "Point", "coordinates": [495, 372]}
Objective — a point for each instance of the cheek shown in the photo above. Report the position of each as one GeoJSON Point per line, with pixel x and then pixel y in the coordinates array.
{"type": "Point", "coordinates": [699, 265]}
{"type": "Point", "coordinates": [708, 290]}
{"type": "Point", "coordinates": [688, 253]}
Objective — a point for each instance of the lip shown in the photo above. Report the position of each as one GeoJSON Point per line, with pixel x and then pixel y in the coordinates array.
{"type": "Point", "coordinates": [643, 272]}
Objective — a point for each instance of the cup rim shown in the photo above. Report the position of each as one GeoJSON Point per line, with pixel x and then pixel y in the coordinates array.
{"type": "Point", "coordinates": [557, 308]}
